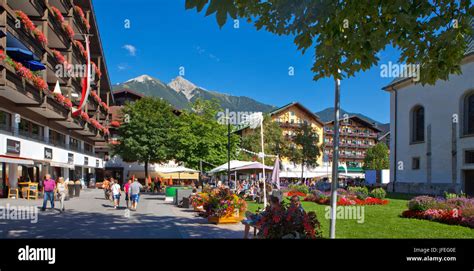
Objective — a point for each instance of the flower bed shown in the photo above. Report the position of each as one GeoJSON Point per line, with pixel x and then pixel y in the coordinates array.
{"type": "Point", "coordinates": [222, 203]}
{"type": "Point", "coordinates": [453, 211]}
{"type": "Point", "coordinates": [354, 196]}
{"type": "Point", "coordinates": [288, 223]}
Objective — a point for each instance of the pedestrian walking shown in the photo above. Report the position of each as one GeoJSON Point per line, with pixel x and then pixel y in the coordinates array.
{"type": "Point", "coordinates": [61, 190]}
{"type": "Point", "coordinates": [116, 193]}
{"type": "Point", "coordinates": [49, 187]}
{"type": "Point", "coordinates": [135, 193]}
{"type": "Point", "coordinates": [126, 189]}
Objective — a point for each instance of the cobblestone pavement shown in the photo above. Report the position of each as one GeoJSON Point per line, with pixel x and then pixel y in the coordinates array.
{"type": "Point", "coordinates": [92, 216]}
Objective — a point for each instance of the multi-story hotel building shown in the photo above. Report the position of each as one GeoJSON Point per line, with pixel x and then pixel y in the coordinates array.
{"type": "Point", "coordinates": [356, 136]}
{"type": "Point", "coordinates": [39, 41]}
{"type": "Point", "coordinates": [291, 117]}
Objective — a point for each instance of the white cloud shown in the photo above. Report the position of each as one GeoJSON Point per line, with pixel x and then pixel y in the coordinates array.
{"type": "Point", "coordinates": [122, 67]}
{"type": "Point", "coordinates": [132, 50]}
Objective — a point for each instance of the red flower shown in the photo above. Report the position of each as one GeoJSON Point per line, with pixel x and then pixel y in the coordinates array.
{"type": "Point", "coordinates": [80, 12]}
{"type": "Point", "coordinates": [2, 55]}
{"type": "Point", "coordinates": [59, 57]}
{"type": "Point", "coordinates": [57, 14]}
{"type": "Point", "coordinates": [69, 31]}
{"type": "Point", "coordinates": [25, 20]}
{"type": "Point", "coordinates": [40, 36]}
{"type": "Point", "coordinates": [115, 123]}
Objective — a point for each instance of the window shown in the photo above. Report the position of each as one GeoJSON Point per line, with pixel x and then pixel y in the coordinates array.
{"type": "Point", "coordinates": [5, 120]}
{"type": "Point", "coordinates": [30, 129]}
{"type": "Point", "coordinates": [74, 144]}
{"type": "Point", "coordinates": [57, 139]}
{"type": "Point", "coordinates": [418, 124]}
{"type": "Point", "coordinates": [415, 163]}
{"type": "Point", "coordinates": [469, 114]}
{"type": "Point", "coordinates": [469, 157]}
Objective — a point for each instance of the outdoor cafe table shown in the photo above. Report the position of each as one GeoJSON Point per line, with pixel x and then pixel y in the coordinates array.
{"type": "Point", "coordinates": [27, 187]}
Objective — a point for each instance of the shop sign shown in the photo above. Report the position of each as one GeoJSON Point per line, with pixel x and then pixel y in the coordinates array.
{"type": "Point", "coordinates": [48, 153]}
{"type": "Point", "coordinates": [70, 158]}
{"type": "Point", "coordinates": [13, 146]}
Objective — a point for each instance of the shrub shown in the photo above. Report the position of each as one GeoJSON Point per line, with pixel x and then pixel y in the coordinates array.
{"type": "Point", "coordinates": [299, 188]}
{"type": "Point", "coordinates": [421, 203]}
{"type": "Point", "coordinates": [378, 193]}
{"type": "Point", "coordinates": [359, 190]}
{"type": "Point", "coordinates": [448, 195]}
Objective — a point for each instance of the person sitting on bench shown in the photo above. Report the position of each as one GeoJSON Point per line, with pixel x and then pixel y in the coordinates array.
{"type": "Point", "coordinates": [251, 219]}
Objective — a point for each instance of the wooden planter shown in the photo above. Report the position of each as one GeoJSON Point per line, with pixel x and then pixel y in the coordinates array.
{"type": "Point", "coordinates": [224, 220]}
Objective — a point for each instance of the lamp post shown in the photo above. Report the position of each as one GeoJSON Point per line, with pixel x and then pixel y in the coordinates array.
{"type": "Point", "coordinates": [335, 162]}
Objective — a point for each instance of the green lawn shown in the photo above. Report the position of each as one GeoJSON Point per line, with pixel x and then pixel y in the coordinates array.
{"type": "Point", "coordinates": [383, 221]}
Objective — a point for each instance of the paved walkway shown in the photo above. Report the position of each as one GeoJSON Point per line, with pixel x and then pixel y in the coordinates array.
{"type": "Point", "coordinates": [92, 216]}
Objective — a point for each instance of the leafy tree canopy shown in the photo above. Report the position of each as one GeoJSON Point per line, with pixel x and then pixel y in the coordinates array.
{"type": "Point", "coordinates": [347, 35]}
{"type": "Point", "coordinates": [377, 157]}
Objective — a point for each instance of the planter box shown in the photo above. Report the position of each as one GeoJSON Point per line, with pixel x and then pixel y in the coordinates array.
{"type": "Point", "coordinates": [224, 220]}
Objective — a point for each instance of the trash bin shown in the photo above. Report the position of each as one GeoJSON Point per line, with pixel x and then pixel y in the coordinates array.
{"type": "Point", "coordinates": [70, 189]}
{"type": "Point", "coordinates": [77, 190]}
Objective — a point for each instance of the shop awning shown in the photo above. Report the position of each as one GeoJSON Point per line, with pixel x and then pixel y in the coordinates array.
{"type": "Point", "coordinates": [63, 165]}
{"type": "Point", "coordinates": [34, 65]}
{"type": "Point", "coordinates": [19, 161]}
{"type": "Point", "coordinates": [20, 54]}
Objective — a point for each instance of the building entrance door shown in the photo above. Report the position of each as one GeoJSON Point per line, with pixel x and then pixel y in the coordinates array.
{"type": "Point", "coordinates": [469, 182]}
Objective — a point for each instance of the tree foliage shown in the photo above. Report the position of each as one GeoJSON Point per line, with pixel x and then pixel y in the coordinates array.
{"type": "Point", "coordinates": [377, 157]}
{"type": "Point", "coordinates": [305, 149]}
{"type": "Point", "coordinates": [347, 35]}
{"type": "Point", "coordinates": [274, 141]}
{"type": "Point", "coordinates": [200, 136]}
{"type": "Point", "coordinates": [146, 135]}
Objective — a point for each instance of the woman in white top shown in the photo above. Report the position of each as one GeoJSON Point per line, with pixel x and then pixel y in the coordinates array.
{"type": "Point", "coordinates": [61, 189]}
{"type": "Point", "coordinates": [116, 192]}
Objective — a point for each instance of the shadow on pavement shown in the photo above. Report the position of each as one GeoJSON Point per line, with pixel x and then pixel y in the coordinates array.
{"type": "Point", "coordinates": [82, 225]}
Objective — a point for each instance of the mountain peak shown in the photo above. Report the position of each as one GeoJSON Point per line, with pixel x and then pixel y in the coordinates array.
{"type": "Point", "coordinates": [141, 78]}
{"type": "Point", "coordinates": [180, 84]}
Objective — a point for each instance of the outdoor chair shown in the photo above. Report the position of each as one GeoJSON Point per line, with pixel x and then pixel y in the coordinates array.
{"type": "Point", "coordinates": [13, 193]}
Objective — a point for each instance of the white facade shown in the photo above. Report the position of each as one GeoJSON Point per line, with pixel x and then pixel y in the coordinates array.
{"type": "Point", "coordinates": [35, 151]}
{"type": "Point", "coordinates": [444, 116]}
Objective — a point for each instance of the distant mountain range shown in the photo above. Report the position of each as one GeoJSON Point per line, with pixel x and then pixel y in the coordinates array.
{"type": "Point", "coordinates": [181, 93]}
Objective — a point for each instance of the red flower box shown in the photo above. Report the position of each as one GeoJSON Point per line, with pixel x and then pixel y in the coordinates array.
{"type": "Point", "coordinates": [69, 31]}
{"type": "Point", "coordinates": [80, 12]}
{"type": "Point", "coordinates": [296, 193]}
{"type": "Point", "coordinates": [115, 123]}
{"type": "Point", "coordinates": [57, 14]}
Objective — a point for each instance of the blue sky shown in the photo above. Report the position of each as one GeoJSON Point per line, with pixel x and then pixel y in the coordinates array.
{"type": "Point", "coordinates": [163, 37]}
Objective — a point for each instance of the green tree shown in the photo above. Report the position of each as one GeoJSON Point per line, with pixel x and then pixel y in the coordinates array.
{"type": "Point", "coordinates": [305, 150]}
{"type": "Point", "coordinates": [347, 35]}
{"type": "Point", "coordinates": [146, 135]}
{"type": "Point", "coordinates": [200, 136]}
{"type": "Point", "coordinates": [377, 157]}
{"type": "Point", "coordinates": [274, 141]}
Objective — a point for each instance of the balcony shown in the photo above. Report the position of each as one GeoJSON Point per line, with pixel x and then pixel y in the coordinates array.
{"type": "Point", "coordinates": [23, 35]}
{"type": "Point", "coordinates": [63, 5]}
{"type": "Point", "coordinates": [31, 8]}
{"type": "Point", "coordinates": [57, 36]}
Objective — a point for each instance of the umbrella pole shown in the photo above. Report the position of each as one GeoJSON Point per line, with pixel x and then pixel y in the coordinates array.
{"type": "Point", "coordinates": [263, 167]}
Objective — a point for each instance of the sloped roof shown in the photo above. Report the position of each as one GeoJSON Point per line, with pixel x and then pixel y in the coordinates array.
{"type": "Point", "coordinates": [278, 110]}
{"type": "Point", "coordinates": [371, 125]}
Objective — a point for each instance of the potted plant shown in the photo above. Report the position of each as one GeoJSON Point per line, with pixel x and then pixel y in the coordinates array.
{"type": "Point", "coordinates": [224, 207]}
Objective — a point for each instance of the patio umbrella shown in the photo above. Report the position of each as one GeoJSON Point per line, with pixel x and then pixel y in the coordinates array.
{"type": "Point", "coordinates": [276, 173]}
